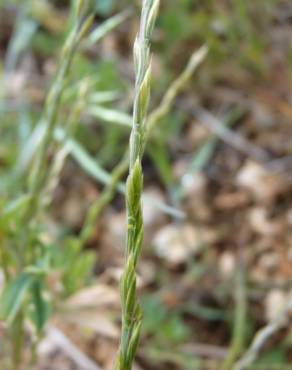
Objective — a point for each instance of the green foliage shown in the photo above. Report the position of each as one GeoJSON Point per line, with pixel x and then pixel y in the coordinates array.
{"type": "Point", "coordinates": [175, 330]}
{"type": "Point", "coordinates": [172, 328]}
{"type": "Point", "coordinates": [13, 296]}
{"type": "Point", "coordinates": [235, 31]}
{"type": "Point", "coordinates": [29, 257]}
{"type": "Point", "coordinates": [73, 265]}
{"type": "Point", "coordinates": [104, 7]}
{"type": "Point", "coordinates": [276, 356]}
{"type": "Point", "coordinates": [41, 307]}
{"type": "Point", "coordinates": [151, 322]}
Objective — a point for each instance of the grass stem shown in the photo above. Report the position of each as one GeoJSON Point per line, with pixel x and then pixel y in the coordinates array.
{"type": "Point", "coordinates": [131, 311]}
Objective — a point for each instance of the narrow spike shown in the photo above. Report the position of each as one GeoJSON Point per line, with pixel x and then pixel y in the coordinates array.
{"type": "Point", "coordinates": [131, 313]}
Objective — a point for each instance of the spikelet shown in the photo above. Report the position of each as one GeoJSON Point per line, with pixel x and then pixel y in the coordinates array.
{"type": "Point", "coordinates": [131, 312]}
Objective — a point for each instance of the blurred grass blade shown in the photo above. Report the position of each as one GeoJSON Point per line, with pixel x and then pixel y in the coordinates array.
{"type": "Point", "coordinates": [41, 307]}
{"type": "Point", "coordinates": [174, 89]}
{"type": "Point", "coordinates": [13, 296]}
{"type": "Point", "coordinates": [104, 97]}
{"type": "Point", "coordinates": [111, 116]}
{"type": "Point", "coordinates": [152, 122]}
{"type": "Point", "coordinates": [13, 208]}
{"type": "Point", "coordinates": [30, 147]}
{"type": "Point", "coordinates": [91, 166]}
{"type": "Point", "coordinates": [22, 36]}
{"type": "Point", "coordinates": [161, 159]}
{"type": "Point", "coordinates": [38, 173]}
{"type": "Point", "coordinates": [202, 156]}
{"type": "Point", "coordinates": [165, 208]}
{"type": "Point", "coordinates": [86, 162]}
{"type": "Point", "coordinates": [107, 26]}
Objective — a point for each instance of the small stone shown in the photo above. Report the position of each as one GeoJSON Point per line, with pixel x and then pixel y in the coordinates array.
{"type": "Point", "coordinates": [227, 264]}
{"type": "Point", "coordinates": [261, 224]}
{"type": "Point", "coordinates": [263, 185]}
{"type": "Point", "coordinates": [269, 261]}
{"type": "Point", "coordinates": [274, 303]}
{"type": "Point", "coordinates": [176, 243]}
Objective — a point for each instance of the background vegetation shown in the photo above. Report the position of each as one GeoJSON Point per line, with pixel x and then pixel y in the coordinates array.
{"type": "Point", "coordinates": [216, 263]}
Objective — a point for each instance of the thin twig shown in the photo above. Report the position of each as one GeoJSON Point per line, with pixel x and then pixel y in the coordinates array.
{"type": "Point", "coordinates": [238, 142]}
{"type": "Point", "coordinates": [262, 337]}
{"type": "Point", "coordinates": [230, 137]}
{"type": "Point", "coordinates": [62, 341]}
{"type": "Point", "coordinates": [205, 350]}
{"type": "Point", "coordinates": [279, 165]}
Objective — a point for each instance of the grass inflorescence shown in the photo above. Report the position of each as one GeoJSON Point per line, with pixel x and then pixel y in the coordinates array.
{"type": "Point", "coordinates": [131, 311]}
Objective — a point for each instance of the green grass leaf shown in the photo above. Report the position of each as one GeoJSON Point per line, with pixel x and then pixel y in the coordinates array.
{"type": "Point", "coordinates": [14, 208]}
{"type": "Point", "coordinates": [104, 7]}
{"type": "Point", "coordinates": [41, 307]}
{"type": "Point", "coordinates": [111, 116]}
{"type": "Point", "coordinates": [13, 296]}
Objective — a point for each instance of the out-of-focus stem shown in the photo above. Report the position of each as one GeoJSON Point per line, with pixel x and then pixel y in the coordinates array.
{"type": "Point", "coordinates": [39, 170]}
{"type": "Point", "coordinates": [238, 338]}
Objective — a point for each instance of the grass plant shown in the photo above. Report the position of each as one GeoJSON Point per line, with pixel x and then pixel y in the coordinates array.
{"type": "Point", "coordinates": [131, 311]}
{"type": "Point", "coordinates": [27, 263]}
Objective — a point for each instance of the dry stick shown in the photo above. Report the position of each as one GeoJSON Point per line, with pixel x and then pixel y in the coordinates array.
{"type": "Point", "coordinates": [131, 311]}
{"type": "Point", "coordinates": [238, 142]}
{"type": "Point", "coordinates": [60, 340]}
{"type": "Point", "coordinates": [181, 360]}
{"type": "Point", "coordinates": [262, 337]}
{"type": "Point", "coordinates": [204, 350]}
{"type": "Point", "coordinates": [153, 120]}
{"type": "Point", "coordinates": [283, 164]}
{"type": "Point", "coordinates": [224, 133]}
{"type": "Point", "coordinates": [229, 136]}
